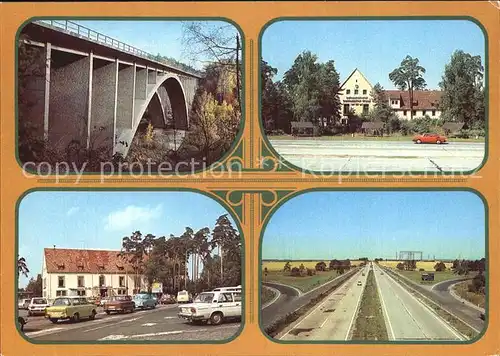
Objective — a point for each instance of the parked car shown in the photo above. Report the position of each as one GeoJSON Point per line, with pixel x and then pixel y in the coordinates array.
{"type": "Point", "coordinates": [103, 301]}
{"type": "Point", "coordinates": [214, 306]}
{"type": "Point", "coordinates": [184, 297]}
{"type": "Point", "coordinates": [429, 138]}
{"type": "Point", "coordinates": [72, 308]}
{"type": "Point", "coordinates": [37, 306]}
{"type": "Point", "coordinates": [23, 303]}
{"type": "Point", "coordinates": [359, 283]}
{"type": "Point", "coordinates": [119, 304]}
{"type": "Point", "coordinates": [144, 301]}
{"type": "Point", "coordinates": [167, 299]}
{"type": "Point", "coordinates": [21, 322]}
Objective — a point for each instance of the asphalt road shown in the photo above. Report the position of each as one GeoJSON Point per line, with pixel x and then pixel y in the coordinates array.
{"type": "Point", "coordinates": [380, 156]}
{"type": "Point", "coordinates": [159, 324]}
{"type": "Point", "coordinates": [439, 295]}
{"type": "Point", "coordinates": [333, 318]}
{"type": "Point", "coordinates": [406, 317]}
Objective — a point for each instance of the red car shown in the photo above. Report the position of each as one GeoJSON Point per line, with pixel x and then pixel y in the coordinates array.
{"type": "Point", "coordinates": [429, 138]}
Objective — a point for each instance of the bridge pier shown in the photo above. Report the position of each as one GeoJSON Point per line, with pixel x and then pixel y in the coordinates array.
{"type": "Point", "coordinates": [89, 93]}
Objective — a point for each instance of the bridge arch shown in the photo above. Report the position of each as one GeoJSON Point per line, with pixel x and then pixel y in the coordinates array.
{"type": "Point", "coordinates": [172, 86]}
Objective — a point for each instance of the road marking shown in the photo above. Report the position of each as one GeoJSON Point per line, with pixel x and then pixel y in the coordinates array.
{"type": "Point", "coordinates": [107, 325]}
{"type": "Point", "coordinates": [388, 319]}
{"type": "Point", "coordinates": [299, 292]}
{"type": "Point", "coordinates": [170, 317]}
{"type": "Point", "coordinates": [149, 324]}
{"type": "Point", "coordinates": [41, 331]}
{"type": "Point", "coordinates": [319, 306]}
{"type": "Point", "coordinates": [163, 333]}
{"type": "Point", "coordinates": [431, 311]}
{"type": "Point", "coordinates": [277, 294]}
{"type": "Point", "coordinates": [356, 310]}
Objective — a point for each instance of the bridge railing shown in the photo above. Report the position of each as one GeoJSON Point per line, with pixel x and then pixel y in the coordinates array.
{"type": "Point", "coordinates": [85, 32]}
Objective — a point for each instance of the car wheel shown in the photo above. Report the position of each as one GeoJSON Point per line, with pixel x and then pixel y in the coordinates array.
{"type": "Point", "coordinates": [76, 317]}
{"type": "Point", "coordinates": [216, 318]}
{"type": "Point", "coordinates": [438, 142]}
{"type": "Point", "coordinates": [92, 315]}
{"type": "Point", "coordinates": [419, 141]}
{"type": "Point", "coordinates": [108, 312]}
{"type": "Point", "coordinates": [29, 313]}
{"type": "Point", "coordinates": [53, 320]}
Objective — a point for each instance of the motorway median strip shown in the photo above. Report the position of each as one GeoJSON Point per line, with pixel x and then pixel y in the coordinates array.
{"type": "Point", "coordinates": [455, 322]}
{"type": "Point", "coordinates": [370, 322]}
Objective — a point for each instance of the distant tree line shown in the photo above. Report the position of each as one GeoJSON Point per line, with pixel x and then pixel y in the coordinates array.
{"type": "Point", "coordinates": [215, 257]}
{"type": "Point", "coordinates": [309, 91]}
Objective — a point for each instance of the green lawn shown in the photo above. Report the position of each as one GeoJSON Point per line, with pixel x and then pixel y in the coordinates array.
{"type": "Point", "coordinates": [266, 295]}
{"type": "Point", "coordinates": [305, 283]}
{"type": "Point", "coordinates": [364, 138]}
{"type": "Point", "coordinates": [462, 289]}
{"type": "Point", "coordinates": [438, 276]}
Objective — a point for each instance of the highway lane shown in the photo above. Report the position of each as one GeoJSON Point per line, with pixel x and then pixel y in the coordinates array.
{"type": "Point", "coordinates": [406, 317]}
{"type": "Point", "coordinates": [379, 156]}
{"type": "Point", "coordinates": [333, 318]}
{"type": "Point", "coordinates": [159, 324]}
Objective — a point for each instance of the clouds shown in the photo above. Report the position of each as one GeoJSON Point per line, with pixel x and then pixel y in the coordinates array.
{"type": "Point", "coordinates": [131, 216]}
{"type": "Point", "coordinates": [73, 210]}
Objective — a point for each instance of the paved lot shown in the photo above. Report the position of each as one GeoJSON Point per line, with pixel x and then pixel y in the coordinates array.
{"type": "Point", "coordinates": [159, 324]}
{"type": "Point", "coordinates": [333, 318]}
{"type": "Point", "coordinates": [406, 317]}
{"type": "Point", "coordinates": [380, 156]}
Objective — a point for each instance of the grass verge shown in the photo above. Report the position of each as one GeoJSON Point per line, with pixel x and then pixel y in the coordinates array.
{"type": "Point", "coordinates": [370, 323]}
{"type": "Point", "coordinates": [304, 283]}
{"type": "Point", "coordinates": [451, 319]}
{"type": "Point", "coordinates": [266, 295]}
{"type": "Point", "coordinates": [364, 138]}
{"type": "Point", "coordinates": [462, 289]}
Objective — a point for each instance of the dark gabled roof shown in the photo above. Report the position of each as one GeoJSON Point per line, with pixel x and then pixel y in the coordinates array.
{"type": "Point", "coordinates": [372, 125]}
{"type": "Point", "coordinates": [424, 99]}
{"type": "Point", "coordinates": [302, 124]}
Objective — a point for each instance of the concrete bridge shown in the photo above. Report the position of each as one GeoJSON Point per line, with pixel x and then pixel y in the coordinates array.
{"type": "Point", "coordinates": [92, 90]}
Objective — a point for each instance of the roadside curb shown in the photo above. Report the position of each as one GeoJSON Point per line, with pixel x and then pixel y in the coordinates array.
{"type": "Point", "coordinates": [286, 285]}
{"type": "Point", "coordinates": [451, 289]}
{"type": "Point", "coordinates": [277, 294]}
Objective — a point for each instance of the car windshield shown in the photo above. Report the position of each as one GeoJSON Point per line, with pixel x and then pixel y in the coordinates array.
{"type": "Point", "coordinates": [39, 301]}
{"type": "Point", "coordinates": [61, 302]}
{"type": "Point", "coordinates": [121, 298]}
{"type": "Point", "coordinates": [183, 293]}
{"type": "Point", "coordinates": [141, 296]}
{"type": "Point", "coordinates": [204, 298]}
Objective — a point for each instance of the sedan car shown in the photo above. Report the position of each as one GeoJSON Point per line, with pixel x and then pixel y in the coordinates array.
{"type": "Point", "coordinates": [429, 138]}
{"type": "Point", "coordinates": [119, 304]}
{"type": "Point", "coordinates": [359, 283]}
{"type": "Point", "coordinates": [167, 299]}
{"type": "Point", "coordinates": [70, 308]}
{"type": "Point", "coordinates": [145, 301]}
{"type": "Point", "coordinates": [37, 306]}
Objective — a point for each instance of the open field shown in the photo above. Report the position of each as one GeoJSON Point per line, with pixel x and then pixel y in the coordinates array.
{"type": "Point", "coordinates": [462, 289]}
{"type": "Point", "coordinates": [305, 283]}
{"type": "Point", "coordinates": [365, 138]}
{"type": "Point", "coordinates": [278, 265]}
{"type": "Point", "coordinates": [426, 265]}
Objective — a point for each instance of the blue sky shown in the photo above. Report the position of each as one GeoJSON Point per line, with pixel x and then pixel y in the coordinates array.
{"type": "Point", "coordinates": [374, 47]}
{"type": "Point", "coordinates": [325, 225]}
{"type": "Point", "coordinates": [164, 37]}
{"type": "Point", "coordinates": [99, 220]}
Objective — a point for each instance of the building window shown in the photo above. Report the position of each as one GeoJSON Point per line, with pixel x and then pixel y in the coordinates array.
{"type": "Point", "coordinates": [414, 112]}
{"type": "Point", "coordinates": [44, 283]}
{"type": "Point", "coordinates": [121, 280]}
{"type": "Point", "coordinates": [80, 293]}
{"type": "Point", "coordinates": [121, 291]}
{"type": "Point", "coordinates": [364, 91]}
{"type": "Point", "coordinates": [404, 112]}
{"type": "Point", "coordinates": [81, 281]}
{"type": "Point", "coordinates": [60, 293]}
{"type": "Point", "coordinates": [348, 91]}
{"type": "Point", "coordinates": [346, 109]}
{"type": "Point", "coordinates": [365, 109]}
{"type": "Point", "coordinates": [356, 91]}
{"type": "Point", "coordinates": [60, 282]}
{"type": "Point", "coordinates": [102, 281]}
{"type": "Point", "coordinates": [433, 112]}
{"type": "Point", "coordinates": [423, 112]}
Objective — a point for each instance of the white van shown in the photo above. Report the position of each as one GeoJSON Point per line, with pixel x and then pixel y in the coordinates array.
{"type": "Point", "coordinates": [183, 297]}
{"type": "Point", "coordinates": [216, 305]}
{"type": "Point", "coordinates": [37, 306]}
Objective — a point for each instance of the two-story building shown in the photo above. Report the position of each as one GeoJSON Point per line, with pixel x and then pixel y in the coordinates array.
{"type": "Point", "coordinates": [355, 96]}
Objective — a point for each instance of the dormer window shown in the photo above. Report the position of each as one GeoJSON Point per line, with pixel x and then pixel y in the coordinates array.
{"type": "Point", "coordinates": [60, 266]}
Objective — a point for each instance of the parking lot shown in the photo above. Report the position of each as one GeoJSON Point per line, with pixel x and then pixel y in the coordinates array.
{"type": "Point", "coordinates": [160, 323]}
